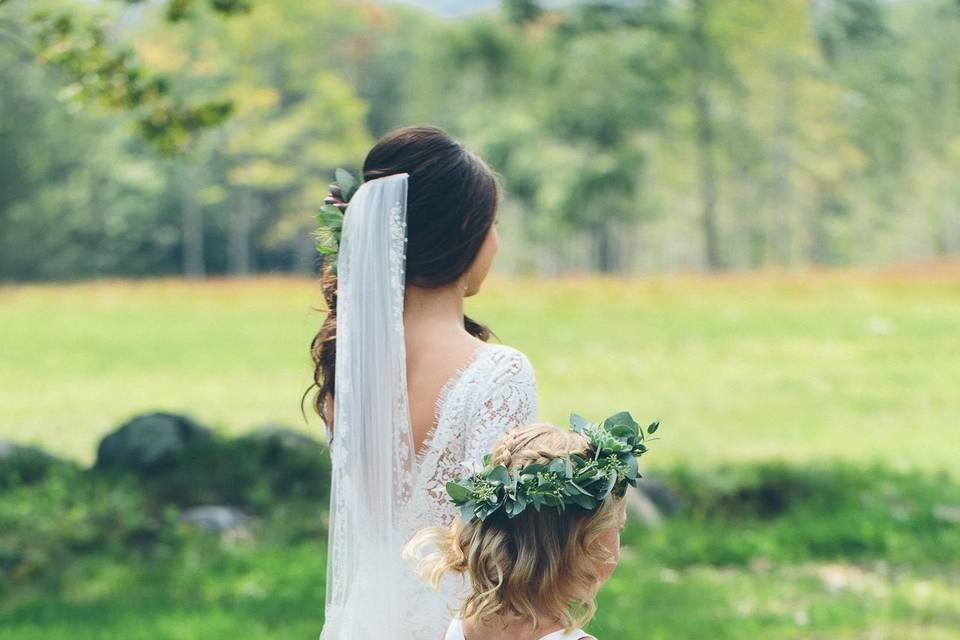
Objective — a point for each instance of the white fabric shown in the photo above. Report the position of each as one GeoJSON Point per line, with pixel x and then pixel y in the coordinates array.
{"type": "Point", "coordinates": [495, 392]}
{"type": "Point", "coordinates": [371, 445]}
{"type": "Point", "coordinates": [455, 632]}
{"type": "Point", "coordinates": [381, 494]}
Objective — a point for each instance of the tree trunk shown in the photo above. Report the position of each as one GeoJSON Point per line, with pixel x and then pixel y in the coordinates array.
{"type": "Point", "coordinates": [306, 258]}
{"type": "Point", "coordinates": [750, 234]}
{"type": "Point", "coordinates": [951, 225]}
{"type": "Point", "coordinates": [241, 223]}
{"type": "Point", "coordinates": [191, 232]}
{"type": "Point", "coordinates": [781, 234]}
{"type": "Point", "coordinates": [706, 141]}
{"type": "Point", "coordinates": [819, 251]}
{"type": "Point", "coordinates": [605, 249]}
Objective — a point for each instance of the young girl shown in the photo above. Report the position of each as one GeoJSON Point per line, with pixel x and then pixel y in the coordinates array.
{"type": "Point", "coordinates": [540, 531]}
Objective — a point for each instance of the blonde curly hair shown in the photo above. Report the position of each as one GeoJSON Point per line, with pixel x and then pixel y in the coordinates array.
{"type": "Point", "coordinates": [541, 563]}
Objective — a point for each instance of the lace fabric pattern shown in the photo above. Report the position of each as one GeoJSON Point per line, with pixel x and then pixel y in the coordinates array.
{"type": "Point", "coordinates": [495, 392]}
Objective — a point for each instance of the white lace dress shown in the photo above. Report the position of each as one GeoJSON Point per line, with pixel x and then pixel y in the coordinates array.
{"type": "Point", "coordinates": [455, 632]}
{"type": "Point", "coordinates": [494, 392]}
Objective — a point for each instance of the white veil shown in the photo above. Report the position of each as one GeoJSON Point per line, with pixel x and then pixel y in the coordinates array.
{"type": "Point", "coordinates": [372, 446]}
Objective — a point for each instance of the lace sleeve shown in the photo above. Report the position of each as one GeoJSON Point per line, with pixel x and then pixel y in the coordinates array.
{"type": "Point", "coordinates": [508, 399]}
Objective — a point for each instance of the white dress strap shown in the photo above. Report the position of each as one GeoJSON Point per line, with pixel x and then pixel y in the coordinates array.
{"type": "Point", "coordinates": [576, 634]}
{"type": "Point", "coordinates": [455, 630]}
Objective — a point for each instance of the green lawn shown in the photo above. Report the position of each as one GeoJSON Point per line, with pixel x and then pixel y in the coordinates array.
{"type": "Point", "coordinates": [857, 553]}
{"type": "Point", "coordinates": [858, 367]}
{"type": "Point", "coordinates": [277, 593]}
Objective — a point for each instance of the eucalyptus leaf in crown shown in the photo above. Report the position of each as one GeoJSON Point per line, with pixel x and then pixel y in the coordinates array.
{"type": "Point", "coordinates": [330, 219]}
{"type": "Point", "coordinates": [583, 481]}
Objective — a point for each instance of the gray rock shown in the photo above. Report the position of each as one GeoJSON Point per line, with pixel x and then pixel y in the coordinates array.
{"type": "Point", "coordinates": [21, 464]}
{"type": "Point", "coordinates": [284, 437]}
{"type": "Point", "coordinates": [652, 500]}
{"type": "Point", "coordinates": [643, 508]}
{"type": "Point", "coordinates": [150, 441]}
{"type": "Point", "coordinates": [218, 519]}
{"type": "Point", "coordinates": [11, 450]}
{"type": "Point", "coordinates": [666, 499]}
{"type": "Point", "coordinates": [7, 449]}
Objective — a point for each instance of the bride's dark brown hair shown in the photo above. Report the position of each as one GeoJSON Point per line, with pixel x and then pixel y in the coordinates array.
{"type": "Point", "coordinates": [452, 198]}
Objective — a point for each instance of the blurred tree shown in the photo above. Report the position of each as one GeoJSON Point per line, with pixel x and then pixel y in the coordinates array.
{"type": "Point", "coordinates": [559, 102]}
{"type": "Point", "coordinates": [522, 11]}
{"type": "Point", "coordinates": [293, 123]}
{"type": "Point", "coordinates": [652, 134]}
{"type": "Point", "coordinates": [94, 68]}
{"type": "Point", "coordinates": [703, 70]}
{"type": "Point", "coordinates": [77, 196]}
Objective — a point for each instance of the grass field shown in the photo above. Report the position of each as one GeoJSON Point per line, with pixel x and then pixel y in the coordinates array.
{"type": "Point", "coordinates": [857, 368]}
{"type": "Point", "coordinates": [275, 593]}
{"type": "Point", "coordinates": [837, 365]}
{"type": "Point", "coordinates": [855, 553]}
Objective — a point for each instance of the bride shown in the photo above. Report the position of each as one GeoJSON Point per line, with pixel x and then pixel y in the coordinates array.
{"type": "Point", "coordinates": [408, 386]}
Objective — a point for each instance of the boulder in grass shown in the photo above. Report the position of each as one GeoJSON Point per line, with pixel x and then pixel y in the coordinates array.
{"type": "Point", "coordinates": [149, 442]}
{"type": "Point", "coordinates": [666, 499]}
{"type": "Point", "coordinates": [20, 464]}
{"type": "Point", "coordinates": [226, 521]}
{"type": "Point", "coordinates": [282, 438]}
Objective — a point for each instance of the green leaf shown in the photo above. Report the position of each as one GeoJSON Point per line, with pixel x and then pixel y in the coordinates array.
{"type": "Point", "coordinates": [330, 216]}
{"type": "Point", "coordinates": [499, 474]}
{"type": "Point", "coordinates": [608, 487]}
{"type": "Point", "coordinates": [653, 427]}
{"type": "Point", "coordinates": [623, 431]}
{"type": "Point", "coordinates": [557, 465]}
{"type": "Point", "coordinates": [534, 468]}
{"type": "Point", "coordinates": [467, 512]}
{"type": "Point", "coordinates": [457, 492]}
{"type": "Point", "coordinates": [515, 507]}
{"type": "Point", "coordinates": [579, 488]}
{"type": "Point", "coordinates": [585, 501]}
{"type": "Point", "coordinates": [578, 422]}
{"type": "Point", "coordinates": [346, 182]}
{"type": "Point", "coordinates": [621, 418]}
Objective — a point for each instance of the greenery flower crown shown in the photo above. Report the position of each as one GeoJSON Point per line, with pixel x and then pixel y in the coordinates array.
{"type": "Point", "coordinates": [578, 480]}
{"type": "Point", "coordinates": [330, 218]}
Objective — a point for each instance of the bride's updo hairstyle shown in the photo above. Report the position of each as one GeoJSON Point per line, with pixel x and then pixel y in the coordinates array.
{"type": "Point", "coordinates": [539, 563]}
{"type": "Point", "coordinates": [452, 198]}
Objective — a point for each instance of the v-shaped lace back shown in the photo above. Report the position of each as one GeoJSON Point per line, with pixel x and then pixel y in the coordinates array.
{"type": "Point", "coordinates": [493, 393]}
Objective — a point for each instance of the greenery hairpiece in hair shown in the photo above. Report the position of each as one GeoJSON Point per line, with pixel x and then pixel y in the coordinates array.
{"type": "Point", "coordinates": [581, 480]}
{"type": "Point", "coordinates": [330, 219]}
